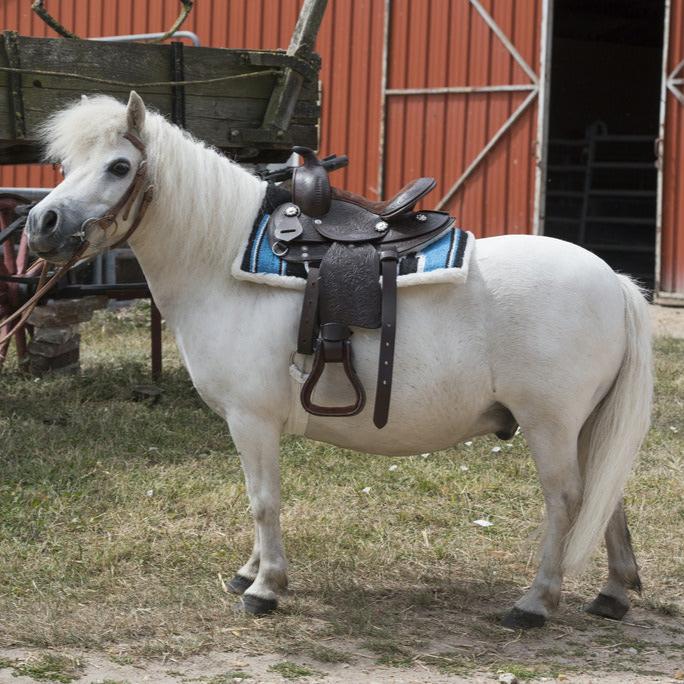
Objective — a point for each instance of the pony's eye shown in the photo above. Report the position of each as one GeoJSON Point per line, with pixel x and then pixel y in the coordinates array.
{"type": "Point", "coordinates": [119, 168]}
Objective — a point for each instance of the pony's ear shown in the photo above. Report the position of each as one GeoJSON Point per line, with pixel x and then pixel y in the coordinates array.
{"type": "Point", "coordinates": [135, 112]}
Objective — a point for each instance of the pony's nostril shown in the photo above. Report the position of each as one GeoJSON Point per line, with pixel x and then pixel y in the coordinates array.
{"type": "Point", "coordinates": [49, 221]}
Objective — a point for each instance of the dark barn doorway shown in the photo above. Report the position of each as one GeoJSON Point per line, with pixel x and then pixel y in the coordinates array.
{"type": "Point", "coordinates": [604, 104]}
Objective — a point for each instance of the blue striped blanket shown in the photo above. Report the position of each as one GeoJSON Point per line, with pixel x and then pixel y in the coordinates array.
{"type": "Point", "coordinates": [444, 260]}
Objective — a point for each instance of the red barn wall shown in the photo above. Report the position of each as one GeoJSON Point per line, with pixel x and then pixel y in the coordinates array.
{"type": "Point", "coordinates": [432, 43]}
{"type": "Point", "coordinates": [445, 43]}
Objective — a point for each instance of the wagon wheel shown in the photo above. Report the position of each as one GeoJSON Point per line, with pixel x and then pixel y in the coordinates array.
{"type": "Point", "coordinates": [12, 294]}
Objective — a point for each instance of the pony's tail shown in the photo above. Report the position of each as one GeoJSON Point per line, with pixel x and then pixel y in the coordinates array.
{"type": "Point", "coordinates": [618, 427]}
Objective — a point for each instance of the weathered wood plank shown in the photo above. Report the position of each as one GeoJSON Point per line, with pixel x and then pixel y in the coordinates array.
{"type": "Point", "coordinates": [228, 114]}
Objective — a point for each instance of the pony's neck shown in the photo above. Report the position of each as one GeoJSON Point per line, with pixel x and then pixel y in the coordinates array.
{"type": "Point", "coordinates": [203, 209]}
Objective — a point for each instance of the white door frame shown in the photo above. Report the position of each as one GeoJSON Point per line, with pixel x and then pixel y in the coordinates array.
{"type": "Point", "coordinates": [670, 83]}
{"type": "Point", "coordinates": [542, 144]}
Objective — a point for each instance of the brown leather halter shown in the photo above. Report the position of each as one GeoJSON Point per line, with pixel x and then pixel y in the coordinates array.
{"type": "Point", "coordinates": [125, 204]}
{"type": "Point", "coordinates": [127, 200]}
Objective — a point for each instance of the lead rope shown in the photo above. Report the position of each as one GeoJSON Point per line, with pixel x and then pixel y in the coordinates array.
{"type": "Point", "coordinates": [25, 310]}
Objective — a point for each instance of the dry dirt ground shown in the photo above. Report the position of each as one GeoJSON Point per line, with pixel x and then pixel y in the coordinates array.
{"type": "Point", "coordinates": [648, 647]}
{"type": "Point", "coordinates": [461, 630]}
{"type": "Point", "coordinates": [668, 320]}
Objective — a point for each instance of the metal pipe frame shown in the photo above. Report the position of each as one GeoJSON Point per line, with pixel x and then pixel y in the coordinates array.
{"type": "Point", "coordinates": [32, 194]}
{"type": "Point", "coordinates": [191, 35]}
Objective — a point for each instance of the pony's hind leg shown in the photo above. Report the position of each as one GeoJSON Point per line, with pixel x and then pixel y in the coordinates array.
{"type": "Point", "coordinates": [264, 575]}
{"type": "Point", "coordinates": [623, 572]}
{"type": "Point", "coordinates": [555, 453]}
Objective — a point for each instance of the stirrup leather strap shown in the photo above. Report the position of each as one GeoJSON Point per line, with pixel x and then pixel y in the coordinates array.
{"type": "Point", "coordinates": [383, 392]}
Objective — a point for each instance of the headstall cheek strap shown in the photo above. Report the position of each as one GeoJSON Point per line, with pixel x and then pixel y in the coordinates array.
{"type": "Point", "coordinates": [124, 204]}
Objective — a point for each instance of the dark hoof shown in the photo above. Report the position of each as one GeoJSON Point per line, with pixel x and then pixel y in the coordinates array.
{"type": "Point", "coordinates": [507, 433]}
{"type": "Point", "coordinates": [607, 607]}
{"type": "Point", "coordinates": [239, 584]}
{"type": "Point", "coordinates": [258, 606]}
{"type": "Point", "coordinates": [521, 619]}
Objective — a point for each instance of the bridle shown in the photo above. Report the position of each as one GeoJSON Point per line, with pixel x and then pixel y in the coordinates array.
{"type": "Point", "coordinates": [127, 200]}
{"type": "Point", "coordinates": [123, 207]}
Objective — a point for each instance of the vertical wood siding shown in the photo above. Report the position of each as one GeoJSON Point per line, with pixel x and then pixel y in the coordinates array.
{"type": "Point", "coordinates": [446, 43]}
{"type": "Point", "coordinates": [672, 230]}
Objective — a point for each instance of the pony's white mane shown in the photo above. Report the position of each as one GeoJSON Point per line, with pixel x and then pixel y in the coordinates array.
{"type": "Point", "coordinates": [203, 201]}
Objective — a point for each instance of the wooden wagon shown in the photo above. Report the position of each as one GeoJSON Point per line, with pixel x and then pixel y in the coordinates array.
{"type": "Point", "coordinates": [253, 105]}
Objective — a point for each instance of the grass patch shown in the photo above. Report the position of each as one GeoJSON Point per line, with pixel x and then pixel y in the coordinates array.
{"type": "Point", "coordinates": [290, 670]}
{"type": "Point", "coordinates": [520, 671]}
{"type": "Point", "coordinates": [450, 663]}
{"type": "Point", "coordinates": [50, 668]}
{"type": "Point", "coordinates": [529, 672]}
{"type": "Point", "coordinates": [117, 516]}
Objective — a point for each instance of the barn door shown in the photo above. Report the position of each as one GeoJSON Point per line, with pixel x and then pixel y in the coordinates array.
{"type": "Point", "coordinates": [462, 94]}
{"type": "Point", "coordinates": [670, 225]}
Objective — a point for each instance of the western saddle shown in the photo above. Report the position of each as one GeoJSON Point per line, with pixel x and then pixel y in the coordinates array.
{"type": "Point", "coordinates": [349, 244]}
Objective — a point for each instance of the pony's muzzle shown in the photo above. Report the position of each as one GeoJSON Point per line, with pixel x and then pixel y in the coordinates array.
{"type": "Point", "coordinates": [52, 232]}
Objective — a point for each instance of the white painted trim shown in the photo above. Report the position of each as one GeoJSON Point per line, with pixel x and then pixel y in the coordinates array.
{"type": "Point", "coordinates": [672, 87]}
{"type": "Point", "coordinates": [496, 29]}
{"type": "Point", "coordinates": [541, 151]}
{"type": "Point", "coordinates": [669, 299]}
{"type": "Point", "coordinates": [461, 90]}
{"type": "Point", "coordinates": [383, 98]}
{"type": "Point", "coordinates": [661, 145]}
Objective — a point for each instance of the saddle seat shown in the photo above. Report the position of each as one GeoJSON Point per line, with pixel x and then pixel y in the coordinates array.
{"type": "Point", "coordinates": [351, 247]}
{"type": "Point", "coordinates": [402, 202]}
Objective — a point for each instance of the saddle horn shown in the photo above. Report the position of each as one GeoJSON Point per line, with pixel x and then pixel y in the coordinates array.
{"type": "Point", "coordinates": [310, 184]}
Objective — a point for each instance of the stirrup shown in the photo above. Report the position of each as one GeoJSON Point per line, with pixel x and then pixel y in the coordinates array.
{"type": "Point", "coordinates": [334, 346]}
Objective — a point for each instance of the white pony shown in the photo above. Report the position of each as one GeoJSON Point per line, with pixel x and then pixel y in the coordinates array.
{"type": "Point", "coordinates": [542, 334]}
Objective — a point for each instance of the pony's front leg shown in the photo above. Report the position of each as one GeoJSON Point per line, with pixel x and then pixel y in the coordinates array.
{"type": "Point", "coordinates": [245, 576]}
{"type": "Point", "coordinates": [264, 575]}
{"type": "Point", "coordinates": [555, 456]}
